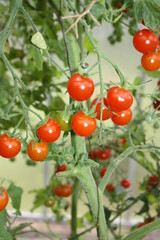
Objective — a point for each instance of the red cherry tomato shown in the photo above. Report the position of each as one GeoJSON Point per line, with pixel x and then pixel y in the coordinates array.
{"type": "Point", "coordinates": [153, 180]}
{"type": "Point", "coordinates": [122, 118]}
{"type": "Point", "coordinates": [93, 154]}
{"type": "Point", "coordinates": [106, 114]}
{"type": "Point", "coordinates": [119, 99]}
{"type": "Point", "coordinates": [61, 168]}
{"type": "Point", "coordinates": [4, 198]}
{"type": "Point", "coordinates": [104, 154]}
{"type": "Point", "coordinates": [50, 131]}
{"type": "Point", "coordinates": [122, 141]}
{"type": "Point", "coordinates": [110, 187]}
{"type": "Point", "coordinates": [63, 190]}
{"type": "Point", "coordinates": [125, 183]}
{"type": "Point", "coordinates": [103, 171]}
{"type": "Point", "coordinates": [37, 151]}
{"type": "Point", "coordinates": [83, 125]}
{"type": "Point", "coordinates": [141, 225]}
{"type": "Point", "coordinates": [145, 41]}
{"type": "Point", "coordinates": [80, 88]}
{"type": "Point", "coordinates": [156, 105]}
{"type": "Point", "coordinates": [57, 191]}
{"type": "Point", "coordinates": [158, 83]}
{"type": "Point", "coordinates": [151, 61]}
{"type": "Point", "coordinates": [9, 147]}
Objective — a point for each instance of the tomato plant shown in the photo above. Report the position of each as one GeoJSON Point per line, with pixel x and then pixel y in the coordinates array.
{"type": "Point", "coordinates": [106, 113]}
{"type": "Point", "coordinates": [83, 125]}
{"type": "Point", "coordinates": [4, 198]}
{"type": "Point", "coordinates": [119, 99]}
{"type": "Point", "coordinates": [151, 61]}
{"type": "Point", "coordinates": [37, 151]}
{"type": "Point", "coordinates": [63, 190]}
{"type": "Point", "coordinates": [50, 131]}
{"type": "Point", "coordinates": [80, 88]}
{"type": "Point", "coordinates": [122, 118]}
{"type": "Point", "coordinates": [9, 147]}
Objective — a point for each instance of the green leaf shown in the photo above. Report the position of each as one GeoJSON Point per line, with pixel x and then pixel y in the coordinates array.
{"type": "Point", "coordinates": [21, 227]}
{"type": "Point", "coordinates": [34, 53]}
{"type": "Point", "coordinates": [145, 207]}
{"type": "Point", "coordinates": [38, 40]}
{"type": "Point", "coordinates": [15, 194]}
{"type": "Point", "coordinates": [56, 104]}
{"type": "Point", "coordinates": [155, 74]}
{"type": "Point", "coordinates": [88, 46]}
{"type": "Point", "coordinates": [3, 218]}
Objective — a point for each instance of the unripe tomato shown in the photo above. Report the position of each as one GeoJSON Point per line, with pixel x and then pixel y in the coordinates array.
{"type": "Point", "coordinates": [61, 168]}
{"type": "Point", "coordinates": [103, 171]}
{"type": "Point", "coordinates": [80, 88]}
{"type": "Point", "coordinates": [106, 114]}
{"type": "Point", "coordinates": [122, 118]}
{"type": "Point", "coordinates": [49, 202]}
{"type": "Point", "coordinates": [156, 105]}
{"type": "Point", "coordinates": [4, 198]}
{"type": "Point", "coordinates": [104, 154]}
{"type": "Point", "coordinates": [110, 187]}
{"type": "Point", "coordinates": [50, 131]}
{"type": "Point", "coordinates": [83, 125]}
{"type": "Point", "coordinates": [64, 121]}
{"type": "Point", "coordinates": [125, 183]}
{"type": "Point", "coordinates": [9, 147]}
{"type": "Point", "coordinates": [145, 41]}
{"type": "Point", "coordinates": [151, 61]}
{"type": "Point", "coordinates": [37, 151]}
{"type": "Point", "coordinates": [119, 99]}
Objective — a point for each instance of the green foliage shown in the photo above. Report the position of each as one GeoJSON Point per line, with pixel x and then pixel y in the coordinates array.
{"type": "Point", "coordinates": [15, 194]}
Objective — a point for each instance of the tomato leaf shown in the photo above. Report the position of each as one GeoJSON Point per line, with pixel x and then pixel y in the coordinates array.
{"type": "Point", "coordinates": [15, 194]}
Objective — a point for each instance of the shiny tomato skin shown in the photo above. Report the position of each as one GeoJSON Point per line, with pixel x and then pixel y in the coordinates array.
{"type": "Point", "coordinates": [50, 131]}
{"type": "Point", "coordinates": [61, 168]}
{"type": "Point", "coordinates": [49, 202]}
{"type": "Point", "coordinates": [9, 147]}
{"type": "Point", "coordinates": [110, 187]}
{"type": "Point", "coordinates": [37, 151]}
{"type": "Point", "coordinates": [122, 118]}
{"type": "Point", "coordinates": [4, 198]}
{"type": "Point", "coordinates": [119, 99]}
{"type": "Point", "coordinates": [145, 41]}
{"type": "Point", "coordinates": [125, 183]}
{"type": "Point", "coordinates": [80, 88]}
{"type": "Point", "coordinates": [103, 171]}
{"type": "Point", "coordinates": [83, 125]}
{"type": "Point", "coordinates": [64, 121]}
{"type": "Point", "coordinates": [106, 114]}
{"type": "Point", "coordinates": [156, 105]}
{"type": "Point", "coordinates": [151, 61]}
{"type": "Point", "coordinates": [104, 154]}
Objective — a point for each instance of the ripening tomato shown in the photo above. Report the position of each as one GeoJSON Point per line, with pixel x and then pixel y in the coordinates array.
{"type": "Point", "coordinates": [122, 118]}
{"type": "Point", "coordinates": [151, 61]}
{"type": "Point", "coordinates": [83, 125]}
{"type": "Point", "coordinates": [49, 202]}
{"type": "Point", "coordinates": [57, 190]}
{"type": "Point", "coordinates": [145, 41]}
{"type": "Point", "coordinates": [93, 154]}
{"type": "Point", "coordinates": [61, 168]}
{"type": "Point", "coordinates": [153, 180]}
{"type": "Point", "coordinates": [125, 183]}
{"type": "Point", "coordinates": [110, 187]}
{"type": "Point", "coordinates": [4, 198]}
{"type": "Point", "coordinates": [106, 114]}
{"type": "Point", "coordinates": [63, 190]}
{"type": "Point", "coordinates": [156, 105]}
{"type": "Point", "coordinates": [119, 99]}
{"type": "Point", "coordinates": [50, 131]}
{"type": "Point", "coordinates": [104, 154]}
{"type": "Point", "coordinates": [37, 151]}
{"type": "Point", "coordinates": [103, 171]}
{"type": "Point", "coordinates": [9, 147]}
{"type": "Point", "coordinates": [80, 88]}
{"type": "Point", "coordinates": [64, 121]}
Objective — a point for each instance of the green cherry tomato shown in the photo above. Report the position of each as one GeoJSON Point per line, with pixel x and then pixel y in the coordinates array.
{"type": "Point", "coordinates": [64, 121]}
{"type": "Point", "coordinates": [49, 202]}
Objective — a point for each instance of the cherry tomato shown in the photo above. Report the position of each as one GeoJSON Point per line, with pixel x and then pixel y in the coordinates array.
{"type": "Point", "coordinates": [37, 151]}
{"type": "Point", "coordinates": [63, 190]}
{"type": "Point", "coordinates": [125, 183]}
{"type": "Point", "coordinates": [156, 105]}
{"type": "Point", "coordinates": [145, 41]}
{"type": "Point", "coordinates": [158, 83]}
{"type": "Point", "coordinates": [80, 88]}
{"type": "Point", "coordinates": [122, 118]}
{"type": "Point", "coordinates": [49, 202]}
{"type": "Point", "coordinates": [110, 187]}
{"type": "Point", "coordinates": [4, 198]}
{"type": "Point", "coordinates": [118, 5]}
{"type": "Point", "coordinates": [64, 121]}
{"type": "Point", "coordinates": [122, 141]}
{"type": "Point", "coordinates": [141, 225]}
{"type": "Point", "coordinates": [61, 168]}
{"type": "Point", "coordinates": [119, 99]}
{"type": "Point", "coordinates": [83, 125]}
{"type": "Point", "coordinates": [9, 147]}
{"type": "Point", "coordinates": [153, 180]}
{"type": "Point", "coordinates": [104, 154]}
{"type": "Point", "coordinates": [151, 61]}
{"type": "Point", "coordinates": [106, 114]}
{"type": "Point", "coordinates": [50, 131]}
{"type": "Point", "coordinates": [103, 171]}
{"type": "Point", "coordinates": [93, 154]}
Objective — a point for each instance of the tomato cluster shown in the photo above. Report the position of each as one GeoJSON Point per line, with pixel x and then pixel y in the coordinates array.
{"type": "Point", "coordinates": [4, 198]}
{"type": "Point", "coordinates": [146, 42]}
{"type": "Point", "coordinates": [152, 182]}
{"type": "Point", "coordinates": [102, 154]}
